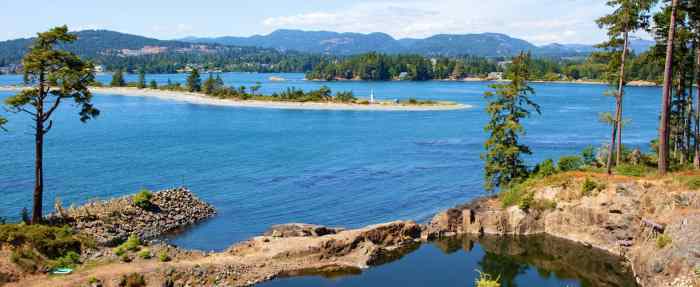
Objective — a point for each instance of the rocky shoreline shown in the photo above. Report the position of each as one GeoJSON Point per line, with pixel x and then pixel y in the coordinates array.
{"type": "Point", "coordinates": [111, 222]}
{"type": "Point", "coordinates": [623, 217]}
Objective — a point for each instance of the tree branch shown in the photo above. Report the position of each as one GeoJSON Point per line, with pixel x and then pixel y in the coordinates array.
{"type": "Point", "coordinates": [47, 115]}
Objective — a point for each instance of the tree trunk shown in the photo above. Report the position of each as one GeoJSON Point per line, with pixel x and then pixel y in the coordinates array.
{"type": "Point", "coordinates": [696, 161]}
{"type": "Point", "coordinates": [611, 148]}
{"type": "Point", "coordinates": [666, 97]}
{"type": "Point", "coordinates": [37, 210]}
{"type": "Point", "coordinates": [620, 94]}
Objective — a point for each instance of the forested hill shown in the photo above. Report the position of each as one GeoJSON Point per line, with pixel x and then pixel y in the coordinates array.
{"type": "Point", "coordinates": [119, 50]}
{"type": "Point", "coordinates": [332, 43]}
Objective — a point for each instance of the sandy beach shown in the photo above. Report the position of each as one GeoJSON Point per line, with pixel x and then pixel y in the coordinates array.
{"type": "Point", "coordinates": [202, 99]}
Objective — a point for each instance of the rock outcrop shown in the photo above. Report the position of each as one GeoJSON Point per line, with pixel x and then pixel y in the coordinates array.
{"type": "Point", "coordinates": [111, 222]}
{"type": "Point", "coordinates": [624, 218]}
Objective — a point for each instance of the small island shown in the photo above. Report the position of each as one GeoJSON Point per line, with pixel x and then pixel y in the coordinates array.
{"type": "Point", "coordinates": [291, 98]}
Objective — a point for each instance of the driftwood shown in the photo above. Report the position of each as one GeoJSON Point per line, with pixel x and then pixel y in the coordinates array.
{"type": "Point", "coordinates": [655, 227]}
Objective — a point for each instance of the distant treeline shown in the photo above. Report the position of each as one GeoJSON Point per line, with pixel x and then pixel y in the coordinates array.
{"type": "Point", "coordinates": [383, 67]}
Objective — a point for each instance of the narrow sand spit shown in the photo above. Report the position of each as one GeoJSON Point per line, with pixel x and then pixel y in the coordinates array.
{"type": "Point", "coordinates": [198, 98]}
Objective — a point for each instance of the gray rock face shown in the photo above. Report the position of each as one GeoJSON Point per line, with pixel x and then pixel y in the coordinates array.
{"type": "Point", "coordinates": [111, 222]}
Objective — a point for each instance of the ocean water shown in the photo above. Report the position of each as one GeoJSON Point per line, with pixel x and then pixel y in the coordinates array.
{"type": "Point", "coordinates": [261, 167]}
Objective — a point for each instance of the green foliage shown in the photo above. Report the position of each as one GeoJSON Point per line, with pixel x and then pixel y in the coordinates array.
{"type": "Point", "coordinates": [485, 280]}
{"type": "Point", "coordinates": [194, 81]}
{"type": "Point", "coordinates": [632, 170]}
{"type": "Point", "coordinates": [163, 256]}
{"type": "Point", "coordinates": [125, 258]}
{"type": "Point", "coordinates": [145, 254]}
{"type": "Point", "coordinates": [513, 195]}
{"type": "Point", "coordinates": [24, 215]}
{"type": "Point", "coordinates": [143, 199]}
{"type": "Point", "coordinates": [506, 108]}
{"type": "Point", "coordinates": [141, 84]}
{"type": "Point", "coordinates": [663, 240]}
{"type": "Point", "coordinates": [693, 183]}
{"type": "Point", "coordinates": [544, 169]}
{"type": "Point", "coordinates": [26, 259]}
{"type": "Point", "coordinates": [153, 85]}
{"type": "Point", "coordinates": [570, 163]}
{"type": "Point", "coordinates": [588, 187]}
{"type": "Point", "coordinates": [69, 260]}
{"type": "Point", "coordinates": [53, 242]}
{"type": "Point", "coordinates": [132, 244]}
{"type": "Point", "coordinates": [132, 280]}
{"type": "Point", "coordinates": [119, 251]}
{"type": "Point", "coordinates": [118, 79]}
{"type": "Point", "coordinates": [3, 122]}
{"type": "Point", "coordinates": [589, 157]}
{"type": "Point", "coordinates": [526, 201]}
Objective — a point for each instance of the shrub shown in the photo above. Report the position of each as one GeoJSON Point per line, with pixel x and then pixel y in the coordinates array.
{"type": "Point", "coordinates": [145, 254]}
{"type": "Point", "coordinates": [26, 259]}
{"type": "Point", "coordinates": [53, 242]}
{"type": "Point", "coordinates": [545, 169]}
{"type": "Point", "coordinates": [143, 198]}
{"type": "Point", "coordinates": [24, 215]}
{"type": "Point", "coordinates": [589, 156]}
{"type": "Point", "coordinates": [631, 170]}
{"type": "Point", "coordinates": [132, 244]}
{"type": "Point", "coordinates": [544, 204]}
{"type": "Point", "coordinates": [511, 196]}
{"type": "Point", "coordinates": [132, 280]}
{"type": "Point", "coordinates": [363, 102]}
{"type": "Point", "coordinates": [693, 183]}
{"type": "Point", "coordinates": [119, 251]}
{"type": "Point", "coordinates": [588, 187]}
{"type": "Point", "coordinates": [663, 240]}
{"type": "Point", "coordinates": [570, 163]}
{"type": "Point", "coordinates": [163, 256]}
{"type": "Point", "coordinates": [485, 280]}
{"type": "Point", "coordinates": [71, 259]}
{"type": "Point", "coordinates": [526, 201]}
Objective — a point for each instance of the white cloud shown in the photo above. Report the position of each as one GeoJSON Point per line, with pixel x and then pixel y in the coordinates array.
{"type": "Point", "coordinates": [539, 21]}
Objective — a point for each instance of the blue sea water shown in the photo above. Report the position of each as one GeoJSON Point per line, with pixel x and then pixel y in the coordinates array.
{"type": "Point", "coordinates": [261, 167]}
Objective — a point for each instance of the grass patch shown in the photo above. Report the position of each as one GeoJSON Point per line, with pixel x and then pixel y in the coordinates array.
{"type": "Point", "coordinates": [632, 170]}
{"type": "Point", "coordinates": [663, 240]}
{"type": "Point", "coordinates": [693, 183]}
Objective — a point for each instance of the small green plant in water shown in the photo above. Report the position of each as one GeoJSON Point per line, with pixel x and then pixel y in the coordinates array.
{"type": "Point", "coordinates": [663, 240]}
{"type": "Point", "coordinates": [485, 280]}
{"type": "Point", "coordinates": [143, 199]}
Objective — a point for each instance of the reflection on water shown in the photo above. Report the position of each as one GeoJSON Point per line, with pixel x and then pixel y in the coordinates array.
{"type": "Point", "coordinates": [519, 261]}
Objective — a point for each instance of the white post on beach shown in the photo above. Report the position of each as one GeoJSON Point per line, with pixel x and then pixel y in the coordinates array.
{"type": "Point", "coordinates": [371, 96]}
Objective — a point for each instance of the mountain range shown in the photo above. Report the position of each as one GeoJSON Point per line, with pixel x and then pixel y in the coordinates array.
{"type": "Point", "coordinates": [333, 43]}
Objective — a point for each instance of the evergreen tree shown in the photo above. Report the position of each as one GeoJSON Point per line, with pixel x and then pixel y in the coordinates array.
{"type": "Point", "coordinates": [153, 85]}
{"type": "Point", "coordinates": [666, 96]}
{"type": "Point", "coordinates": [142, 79]}
{"type": "Point", "coordinates": [209, 85]}
{"type": "Point", "coordinates": [507, 107]}
{"type": "Point", "coordinates": [628, 16]}
{"type": "Point", "coordinates": [118, 79]}
{"type": "Point", "coordinates": [194, 82]}
{"type": "Point", "coordinates": [45, 65]}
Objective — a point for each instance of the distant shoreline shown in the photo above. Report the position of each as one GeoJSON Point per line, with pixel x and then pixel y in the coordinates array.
{"type": "Point", "coordinates": [476, 80]}
{"type": "Point", "coordinates": [202, 99]}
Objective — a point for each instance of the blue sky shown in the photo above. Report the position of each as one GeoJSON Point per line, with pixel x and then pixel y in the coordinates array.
{"type": "Point", "coordinates": [538, 21]}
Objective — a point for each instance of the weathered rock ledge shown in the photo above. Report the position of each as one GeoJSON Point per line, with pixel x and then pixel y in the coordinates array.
{"type": "Point", "coordinates": [111, 222]}
{"type": "Point", "coordinates": [624, 218]}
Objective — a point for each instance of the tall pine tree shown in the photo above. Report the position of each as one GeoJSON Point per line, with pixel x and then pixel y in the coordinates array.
{"type": "Point", "coordinates": [507, 107]}
{"type": "Point", "coordinates": [194, 81]}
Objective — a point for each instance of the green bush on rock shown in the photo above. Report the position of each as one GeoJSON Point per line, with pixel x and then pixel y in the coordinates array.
{"type": "Point", "coordinates": [570, 163]}
{"type": "Point", "coordinates": [143, 199]}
